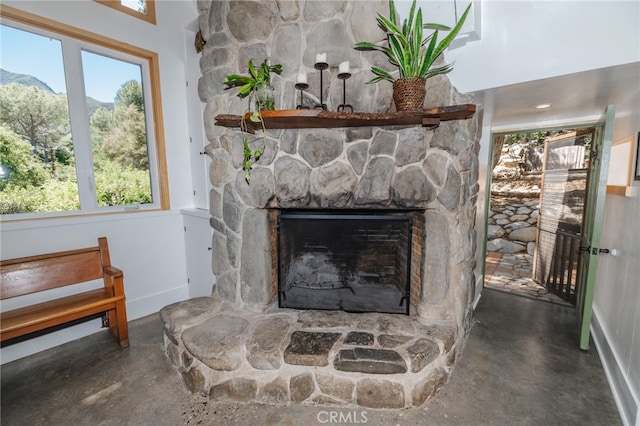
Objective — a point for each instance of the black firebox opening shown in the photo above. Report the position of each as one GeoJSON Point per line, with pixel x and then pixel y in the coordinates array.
{"type": "Point", "coordinates": [350, 261]}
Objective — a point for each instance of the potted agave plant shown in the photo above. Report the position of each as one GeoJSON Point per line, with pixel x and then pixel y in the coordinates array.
{"type": "Point", "coordinates": [256, 86]}
{"type": "Point", "coordinates": [413, 55]}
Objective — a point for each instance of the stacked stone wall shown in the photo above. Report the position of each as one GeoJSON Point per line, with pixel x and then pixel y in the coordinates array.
{"type": "Point", "coordinates": [512, 225]}
{"type": "Point", "coordinates": [435, 170]}
{"type": "Point", "coordinates": [236, 344]}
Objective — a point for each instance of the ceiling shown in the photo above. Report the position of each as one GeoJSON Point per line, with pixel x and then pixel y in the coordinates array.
{"type": "Point", "coordinates": [574, 97]}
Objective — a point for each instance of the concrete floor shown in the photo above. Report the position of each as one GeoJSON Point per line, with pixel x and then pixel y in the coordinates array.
{"type": "Point", "coordinates": [520, 366]}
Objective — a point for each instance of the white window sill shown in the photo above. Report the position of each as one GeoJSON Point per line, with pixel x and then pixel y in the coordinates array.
{"type": "Point", "coordinates": [16, 225]}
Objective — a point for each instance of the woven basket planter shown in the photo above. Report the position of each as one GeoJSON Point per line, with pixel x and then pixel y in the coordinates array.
{"type": "Point", "coordinates": [409, 93]}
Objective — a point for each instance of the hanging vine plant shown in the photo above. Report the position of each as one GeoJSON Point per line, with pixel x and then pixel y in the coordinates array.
{"type": "Point", "coordinates": [256, 87]}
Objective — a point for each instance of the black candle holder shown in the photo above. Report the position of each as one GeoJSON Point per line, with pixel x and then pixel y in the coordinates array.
{"type": "Point", "coordinates": [321, 66]}
{"type": "Point", "coordinates": [301, 87]}
{"type": "Point", "coordinates": [344, 76]}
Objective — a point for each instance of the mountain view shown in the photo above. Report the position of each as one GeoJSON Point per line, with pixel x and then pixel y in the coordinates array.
{"type": "Point", "coordinates": [38, 169]}
{"type": "Point", "coordinates": [7, 77]}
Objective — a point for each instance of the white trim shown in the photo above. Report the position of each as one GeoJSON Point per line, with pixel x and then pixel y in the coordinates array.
{"type": "Point", "coordinates": [628, 404]}
{"type": "Point", "coordinates": [79, 219]}
{"type": "Point", "coordinates": [196, 212]}
{"type": "Point", "coordinates": [51, 340]}
{"type": "Point", "coordinates": [135, 309]}
{"type": "Point", "coordinates": [148, 305]}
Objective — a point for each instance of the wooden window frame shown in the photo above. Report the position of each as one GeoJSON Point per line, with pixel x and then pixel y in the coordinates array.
{"type": "Point", "coordinates": [150, 16]}
{"type": "Point", "coordinates": [26, 18]}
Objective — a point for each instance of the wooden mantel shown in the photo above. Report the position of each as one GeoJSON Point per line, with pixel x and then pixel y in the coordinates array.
{"type": "Point", "coordinates": [320, 119]}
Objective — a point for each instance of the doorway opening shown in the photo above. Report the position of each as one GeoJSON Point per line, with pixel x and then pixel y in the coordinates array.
{"type": "Point", "coordinates": [535, 216]}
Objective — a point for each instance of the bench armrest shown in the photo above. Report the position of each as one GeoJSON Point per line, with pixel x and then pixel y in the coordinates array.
{"type": "Point", "coordinates": [112, 271]}
{"type": "Point", "coordinates": [114, 278]}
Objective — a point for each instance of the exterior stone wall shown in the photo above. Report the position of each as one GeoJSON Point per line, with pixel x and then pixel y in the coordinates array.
{"type": "Point", "coordinates": [513, 225]}
{"type": "Point", "coordinates": [435, 171]}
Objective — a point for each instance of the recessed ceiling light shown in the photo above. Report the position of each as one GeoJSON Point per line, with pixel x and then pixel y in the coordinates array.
{"type": "Point", "coordinates": [543, 106]}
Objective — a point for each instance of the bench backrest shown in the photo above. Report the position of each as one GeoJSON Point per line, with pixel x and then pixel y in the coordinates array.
{"type": "Point", "coordinates": [31, 274]}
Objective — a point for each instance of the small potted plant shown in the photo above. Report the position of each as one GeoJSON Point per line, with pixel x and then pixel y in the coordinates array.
{"type": "Point", "coordinates": [256, 85]}
{"type": "Point", "coordinates": [411, 54]}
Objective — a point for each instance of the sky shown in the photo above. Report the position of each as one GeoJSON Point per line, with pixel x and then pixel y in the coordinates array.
{"type": "Point", "coordinates": [22, 52]}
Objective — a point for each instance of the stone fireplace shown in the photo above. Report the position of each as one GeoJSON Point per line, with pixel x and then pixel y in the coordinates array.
{"type": "Point", "coordinates": [241, 343]}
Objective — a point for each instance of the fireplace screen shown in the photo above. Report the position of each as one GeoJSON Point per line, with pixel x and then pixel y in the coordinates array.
{"type": "Point", "coordinates": [345, 261]}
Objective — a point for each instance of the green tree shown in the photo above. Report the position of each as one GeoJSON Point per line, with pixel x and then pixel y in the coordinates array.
{"type": "Point", "coordinates": [102, 120]}
{"type": "Point", "coordinates": [120, 135]}
{"type": "Point", "coordinates": [117, 185]}
{"type": "Point", "coordinates": [100, 124]}
{"type": "Point", "coordinates": [26, 186]}
{"type": "Point", "coordinates": [54, 195]}
{"type": "Point", "coordinates": [39, 116]}
{"type": "Point", "coordinates": [126, 143]}
{"type": "Point", "coordinates": [130, 93]}
{"type": "Point", "coordinates": [18, 167]}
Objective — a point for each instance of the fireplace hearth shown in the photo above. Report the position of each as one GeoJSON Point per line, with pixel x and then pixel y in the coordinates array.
{"type": "Point", "coordinates": [281, 356]}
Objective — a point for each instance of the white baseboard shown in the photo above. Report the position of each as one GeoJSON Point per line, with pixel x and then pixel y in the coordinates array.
{"type": "Point", "coordinates": [138, 308]}
{"type": "Point", "coordinates": [135, 309]}
{"type": "Point", "coordinates": [628, 403]}
{"type": "Point", "coordinates": [49, 340]}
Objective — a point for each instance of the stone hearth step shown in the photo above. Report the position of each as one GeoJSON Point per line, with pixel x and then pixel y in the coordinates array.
{"type": "Point", "coordinates": [372, 361]}
{"type": "Point", "coordinates": [359, 338]}
{"type": "Point", "coordinates": [309, 357]}
{"type": "Point", "coordinates": [310, 348]}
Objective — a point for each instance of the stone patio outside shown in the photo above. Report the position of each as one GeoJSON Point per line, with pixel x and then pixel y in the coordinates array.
{"type": "Point", "coordinates": [511, 273]}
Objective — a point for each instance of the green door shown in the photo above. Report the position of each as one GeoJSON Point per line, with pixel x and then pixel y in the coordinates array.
{"type": "Point", "coordinates": [593, 219]}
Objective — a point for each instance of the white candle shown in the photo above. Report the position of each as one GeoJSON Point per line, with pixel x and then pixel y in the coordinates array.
{"type": "Point", "coordinates": [343, 68]}
{"type": "Point", "coordinates": [302, 78]}
{"type": "Point", "coordinates": [321, 58]}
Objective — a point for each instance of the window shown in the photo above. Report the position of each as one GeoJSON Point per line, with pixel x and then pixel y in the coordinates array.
{"type": "Point", "coordinates": [80, 122]}
{"type": "Point", "coordinates": [143, 9]}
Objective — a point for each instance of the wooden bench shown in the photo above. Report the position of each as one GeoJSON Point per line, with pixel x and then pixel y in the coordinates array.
{"type": "Point", "coordinates": [32, 274]}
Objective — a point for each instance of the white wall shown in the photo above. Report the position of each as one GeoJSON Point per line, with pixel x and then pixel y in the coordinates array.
{"type": "Point", "coordinates": [524, 41]}
{"type": "Point", "coordinates": [147, 246]}
{"type": "Point", "coordinates": [530, 40]}
{"type": "Point", "coordinates": [616, 306]}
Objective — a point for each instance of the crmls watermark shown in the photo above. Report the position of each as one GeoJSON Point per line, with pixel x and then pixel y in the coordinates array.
{"type": "Point", "coordinates": [341, 417]}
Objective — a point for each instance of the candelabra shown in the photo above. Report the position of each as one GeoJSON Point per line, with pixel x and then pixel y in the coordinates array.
{"type": "Point", "coordinates": [321, 66]}
{"type": "Point", "coordinates": [301, 87]}
{"type": "Point", "coordinates": [344, 107]}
